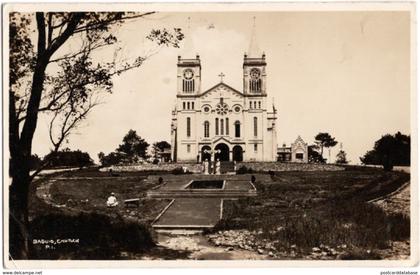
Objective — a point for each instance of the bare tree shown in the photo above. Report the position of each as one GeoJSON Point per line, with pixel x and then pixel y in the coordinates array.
{"type": "Point", "coordinates": [65, 84]}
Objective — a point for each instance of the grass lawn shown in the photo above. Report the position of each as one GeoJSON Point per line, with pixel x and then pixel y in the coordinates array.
{"type": "Point", "coordinates": [293, 210]}
{"type": "Point", "coordinates": [306, 210]}
{"type": "Point", "coordinates": [87, 191]}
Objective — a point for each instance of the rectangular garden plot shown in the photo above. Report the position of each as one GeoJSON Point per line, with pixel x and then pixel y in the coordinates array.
{"type": "Point", "coordinates": [190, 213]}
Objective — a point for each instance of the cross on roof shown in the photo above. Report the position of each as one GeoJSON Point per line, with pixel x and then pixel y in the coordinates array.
{"type": "Point", "coordinates": [221, 75]}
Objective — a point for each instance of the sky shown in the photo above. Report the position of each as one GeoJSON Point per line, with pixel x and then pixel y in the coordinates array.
{"type": "Point", "coordinates": [345, 73]}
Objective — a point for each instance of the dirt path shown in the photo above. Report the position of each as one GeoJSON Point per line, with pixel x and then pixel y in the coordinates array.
{"type": "Point", "coordinates": [197, 247]}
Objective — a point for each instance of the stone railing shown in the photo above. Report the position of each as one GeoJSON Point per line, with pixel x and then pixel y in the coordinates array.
{"type": "Point", "coordinates": [191, 167]}
{"type": "Point", "coordinates": [288, 166]}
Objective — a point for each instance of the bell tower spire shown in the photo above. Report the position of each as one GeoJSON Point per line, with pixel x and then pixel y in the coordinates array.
{"type": "Point", "coordinates": [254, 77]}
{"type": "Point", "coordinates": [254, 50]}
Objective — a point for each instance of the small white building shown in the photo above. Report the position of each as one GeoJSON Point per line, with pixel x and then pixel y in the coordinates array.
{"type": "Point", "coordinates": [297, 152]}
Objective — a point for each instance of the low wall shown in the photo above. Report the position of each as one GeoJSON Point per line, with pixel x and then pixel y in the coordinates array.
{"type": "Point", "coordinates": [288, 166]}
{"type": "Point", "coordinates": [197, 168]}
{"type": "Point", "coordinates": [192, 167]}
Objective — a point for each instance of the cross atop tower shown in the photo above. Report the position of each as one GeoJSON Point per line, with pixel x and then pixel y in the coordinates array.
{"type": "Point", "coordinates": [221, 75]}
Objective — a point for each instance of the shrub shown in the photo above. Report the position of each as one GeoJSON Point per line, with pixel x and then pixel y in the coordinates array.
{"type": "Point", "coordinates": [66, 157]}
{"type": "Point", "coordinates": [100, 236]}
{"type": "Point", "coordinates": [244, 170]}
{"type": "Point", "coordinates": [180, 171]}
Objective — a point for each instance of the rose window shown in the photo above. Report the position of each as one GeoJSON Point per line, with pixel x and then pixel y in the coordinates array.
{"type": "Point", "coordinates": [222, 109]}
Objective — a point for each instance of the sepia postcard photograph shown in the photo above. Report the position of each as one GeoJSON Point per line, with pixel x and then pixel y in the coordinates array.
{"type": "Point", "coordinates": [209, 134]}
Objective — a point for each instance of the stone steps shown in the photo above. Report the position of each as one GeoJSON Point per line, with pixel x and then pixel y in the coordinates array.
{"type": "Point", "coordinates": [201, 193]}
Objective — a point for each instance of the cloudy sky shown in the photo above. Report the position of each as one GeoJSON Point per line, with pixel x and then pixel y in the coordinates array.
{"type": "Point", "coordinates": [346, 73]}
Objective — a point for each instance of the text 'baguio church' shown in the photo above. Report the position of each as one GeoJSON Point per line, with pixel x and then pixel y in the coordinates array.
{"type": "Point", "coordinates": [222, 123]}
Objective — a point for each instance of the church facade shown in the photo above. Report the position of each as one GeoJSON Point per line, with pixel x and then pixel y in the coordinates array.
{"type": "Point", "coordinates": [223, 123]}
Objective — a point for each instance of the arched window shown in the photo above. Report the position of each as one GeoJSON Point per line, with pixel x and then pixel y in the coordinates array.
{"type": "Point", "coordinates": [188, 126]}
{"type": "Point", "coordinates": [255, 126]}
{"type": "Point", "coordinates": [222, 129]}
{"type": "Point", "coordinates": [192, 105]}
{"type": "Point", "coordinates": [259, 105]}
{"type": "Point", "coordinates": [188, 105]}
{"type": "Point", "coordinates": [255, 85]}
{"type": "Point", "coordinates": [255, 105]}
{"type": "Point", "coordinates": [217, 126]}
{"type": "Point", "coordinates": [206, 129]}
{"type": "Point", "coordinates": [227, 126]}
{"type": "Point", "coordinates": [183, 105]}
{"type": "Point", "coordinates": [188, 85]}
{"type": "Point", "coordinates": [250, 105]}
{"type": "Point", "coordinates": [237, 129]}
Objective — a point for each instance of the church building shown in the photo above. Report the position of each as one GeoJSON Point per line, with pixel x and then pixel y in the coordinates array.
{"type": "Point", "coordinates": [222, 123]}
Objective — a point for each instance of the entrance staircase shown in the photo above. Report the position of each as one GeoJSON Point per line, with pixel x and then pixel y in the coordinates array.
{"type": "Point", "coordinates": [227, 167]}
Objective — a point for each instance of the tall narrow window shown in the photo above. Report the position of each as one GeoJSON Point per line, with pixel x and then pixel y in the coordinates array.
{"type": "Point", "coordinates": [206, 129]}
{"type": "Point", "coordinates": [255, 105]}
{"type": "Point", "coordinates": [250, 105]}
{"type": "Point", "coordinates": [255, 148]}
{"type": "Point", "coordinates": [227, 126]}
{"type": "Point", "coordinates": [259, 105]}
{"type": "Point", "coordinates": [237, 129]}
{"type": "Point", "coordinates": [188, 126]}
{"type": "Point", "coordinates": [255, 85]}
{"type": "Point", "coordinates": [192, 105]}
{"type": "Point", "coordinates": [222, 130]}
{"type": "Point", "coordinates": [183, 105]}
{"type": "Point", "coordinates": [255, 126]}
{"type": "Point", "coordinates": [188, 148]}
{"type": "Point", "coordinates": [188, 86]}
{"type": "Point", "coordinates": [188, 105]}
{"type": "Point", "coordinates": [217, 126]}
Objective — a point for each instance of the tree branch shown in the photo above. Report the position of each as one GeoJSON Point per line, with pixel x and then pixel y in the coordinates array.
{"type": "Point", "coordinates": [40, 20]}
{"type": "Point", "coordinates": [50, 29]}
{"type": "Point", "coordinates": [69, 31]}
{"type": "Point", "coordinates": [84, 50]}
{"type": "Point", "coordinates": [110, 22]}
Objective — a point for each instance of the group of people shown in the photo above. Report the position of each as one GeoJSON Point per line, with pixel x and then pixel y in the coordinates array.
{"type": "Point", "coordinates": [211, 168]}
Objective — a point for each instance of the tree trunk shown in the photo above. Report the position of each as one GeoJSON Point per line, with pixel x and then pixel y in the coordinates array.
{"type": "Point", "coordinates": [19, 237]}
{"type": "Point", "coordinates": [21, 146]}
{"type": "Point", "coordinates": [21, 150]}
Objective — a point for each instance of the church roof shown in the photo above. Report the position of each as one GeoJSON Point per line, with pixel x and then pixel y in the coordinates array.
{"type": "Point", "coordinates": [299, 140]}
{"type": "Point", "coordinates": [221, 84]}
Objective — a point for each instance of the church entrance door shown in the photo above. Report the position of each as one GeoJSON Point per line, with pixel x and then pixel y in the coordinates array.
{"type": "Point", "coordinates": [223, 154]}
{"type": "Point", "coordinates": [205, 153]}
{"type": "Point", "coordinates": [237, 153]}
